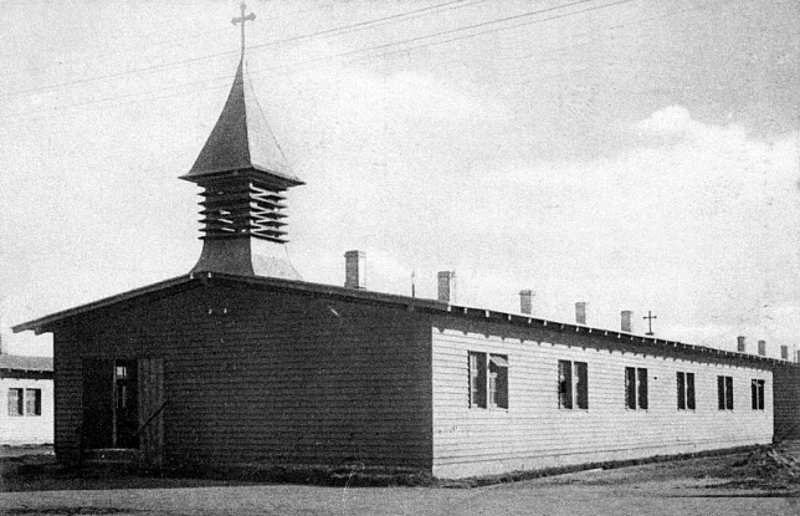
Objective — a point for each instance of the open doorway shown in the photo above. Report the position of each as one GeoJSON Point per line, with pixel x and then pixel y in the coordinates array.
{"type": "Point", "coordinates": [110, 403]}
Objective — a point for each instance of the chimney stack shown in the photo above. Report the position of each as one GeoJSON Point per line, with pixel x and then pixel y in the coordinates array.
{"type": "Point", "coordinates": [741, 344]}
{"type": "Point", "coordinates": [526, 301]}
{"type": "Point", "coordinates": [762, 347]}
{"type": "Point", "coordinates": [784, 352]}
{"type": "Point", "coordinates": [626, 321]}
{"type": "Point", "coordinates": [355, 264]}
{"type": "Point", "coordinates": [447, 286]}
{"type": "Point", "coordinates": [580, 312]}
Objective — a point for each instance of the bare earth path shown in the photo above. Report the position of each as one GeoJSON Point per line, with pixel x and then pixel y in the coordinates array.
{"type": "Point", "coordinates": [682, 487]}
{"type": "Point", "coordinates": [523, 498]}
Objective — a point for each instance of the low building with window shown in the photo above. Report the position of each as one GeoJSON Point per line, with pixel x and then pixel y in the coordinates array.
{"type": "Point", "coordinates": [26, 386]}
{"type": "Point", "coordinates": [213, 368]}
{"type": "Point", "coordinates": [241, 362]}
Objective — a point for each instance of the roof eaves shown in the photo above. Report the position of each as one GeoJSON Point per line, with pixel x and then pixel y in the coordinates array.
{"type": "Point", "coordinates": [39, 325]}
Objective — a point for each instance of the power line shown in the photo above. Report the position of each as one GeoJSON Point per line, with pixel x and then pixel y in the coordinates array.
{"type": "Point", "coordinates": [382, 46]}
{"type": "Point", "coordinates": [326, 32]}
{"type": "Point", "coordinates": [295, 67]}
{"type": "Point", "coordinates": [516, 26]}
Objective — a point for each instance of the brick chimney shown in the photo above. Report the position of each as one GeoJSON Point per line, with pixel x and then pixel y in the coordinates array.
{"type": "Point", "coordinates": [626, 321]}
{"type": "Point", "coordinates": [741, 344]}
{"type": "Point", "coordinates": [447, 286]}
{"type": "Point", "coordinates": [355, 269]}
{"type": "Point", "coordinates": [526, 301]}
{"type": "Point", "coordinates": [580, 312]}
{"type": "Point", "coordinates": [762, 347]}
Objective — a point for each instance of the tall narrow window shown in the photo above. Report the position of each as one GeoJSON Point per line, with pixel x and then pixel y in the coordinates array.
{"type": "Point", "coordinates": [630, 387]}
{"type": "Point", "coordinates": [685, 390]}
{"type": "Point", "coordinates": [15, 402]}
{"type": "Point", "coordinates": [477, 380]}
{"type": "Point", "coordinates": [564, 384]}
{"type": "Point", "coordinates": [33, 402]}
{"type": "Point", "coordinates": [757, 394]}
{"type": "Point", "coordinates": [582, 385]}
{"type": "Point", "coordinates": [498, 381]}
{"type": "Point", "coordinates": [725, 392]}
{"type": "Point", "coordinates": [636, 387]}
{"type": "Point", "coordinates": [642, 378]}
{"type": "Point", "coordinates": [729, 392]}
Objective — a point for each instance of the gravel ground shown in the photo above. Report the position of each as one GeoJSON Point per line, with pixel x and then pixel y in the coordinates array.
{"type": "Point", "coordinates": [696, 486]}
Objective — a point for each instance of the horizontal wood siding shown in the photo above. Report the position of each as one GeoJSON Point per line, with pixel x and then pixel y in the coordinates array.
{"type": "Point", "coordinates": [787, 402]}
{"type": "Point", "coordinates": [68, 394]}
{"type": "Point", "coordinates": [27, 428]}
{"type": "Point", "coordinates": [256, 376]}
{"type": "Point", "coordinates": [534, 433]}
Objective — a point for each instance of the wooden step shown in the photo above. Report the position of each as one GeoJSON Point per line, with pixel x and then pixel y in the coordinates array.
{"type": "Point", "coordinates": [111, 456]}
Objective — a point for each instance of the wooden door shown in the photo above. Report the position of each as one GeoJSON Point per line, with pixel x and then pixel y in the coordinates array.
{"type": "Point", "coordinates": [151, 411]}
{"type": "Point", "coordinates": [97, 430]}
{"type": "Point", "coordinates": [126, 407]}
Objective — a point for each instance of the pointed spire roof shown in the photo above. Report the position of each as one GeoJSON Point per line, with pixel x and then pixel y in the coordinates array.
{"type": "Point", "coordinates": [242, 139]}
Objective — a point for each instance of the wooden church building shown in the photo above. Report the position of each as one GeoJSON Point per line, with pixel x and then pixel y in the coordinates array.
{"type": "Point", "coordinates": [240, 362]}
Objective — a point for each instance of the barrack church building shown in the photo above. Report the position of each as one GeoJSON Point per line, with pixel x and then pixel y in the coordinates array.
{"type": "Point", "coordinates": [240, 362]}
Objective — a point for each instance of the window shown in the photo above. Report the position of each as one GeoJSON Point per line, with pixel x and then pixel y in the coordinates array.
{"type": "Point", "coordinates": [685, 391]}
{"type": "Point", "coordinates": [15, 402]}
{"type": "Point", "coordinates": [636, 388]}
{"type": "Point", "coordinates": [33, 402]}
{"type": "Point", "coordinates": [488, 380]}
{"type": "Point", "coordinates": [477, 380]}
{"type": "Point", "coordinates": [757, 393]}
{"type": "Point", "coordinates": [725, 392]}
{"type": "Point", "coordinates": [573, 384]}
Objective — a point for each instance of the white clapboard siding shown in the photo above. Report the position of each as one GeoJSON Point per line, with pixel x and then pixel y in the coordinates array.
{"type": "Point", "coordinates": [534, 433]}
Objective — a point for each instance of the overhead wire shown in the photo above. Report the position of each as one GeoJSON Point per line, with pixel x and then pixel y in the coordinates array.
{"type": "Point", "coordinates": [376, 47]}
{"type": "Point", "coordinates": [294, 68]}
{"type": "Point", "coordinates": [300, 37]}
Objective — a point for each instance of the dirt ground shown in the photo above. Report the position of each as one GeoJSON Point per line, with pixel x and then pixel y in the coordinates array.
{"type": "Point", "coordinates": [734, 484]}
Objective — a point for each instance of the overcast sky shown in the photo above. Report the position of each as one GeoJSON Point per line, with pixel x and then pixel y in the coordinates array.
{"type": "Point", "coordinates": [637, 154]}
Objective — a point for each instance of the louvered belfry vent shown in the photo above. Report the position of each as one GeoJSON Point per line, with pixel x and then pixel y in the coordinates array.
{"type": "Point", "coordinates": [235, 207]}
{"type": "Point", "coordinates": [244, 176]}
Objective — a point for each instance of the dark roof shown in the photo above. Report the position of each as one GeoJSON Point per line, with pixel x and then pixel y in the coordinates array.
{"type": "Point", "coordinates": [242, 139]}
{"type": "Point", "coordinates": [25, 363]}
{"type": "Point", "coordinates": [43, 324]}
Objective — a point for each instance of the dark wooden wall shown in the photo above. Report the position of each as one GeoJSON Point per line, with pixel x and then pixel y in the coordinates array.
{"type": "Point", "coordinates": [258, 376]}
{"type": "Point", "coordinates": [787, 402]}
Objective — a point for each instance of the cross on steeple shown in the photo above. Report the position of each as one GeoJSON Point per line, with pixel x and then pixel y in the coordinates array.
{"type": "Point", "coordinates": [649, 317]}
{"type": "Point", "coordinates": [242, 19]}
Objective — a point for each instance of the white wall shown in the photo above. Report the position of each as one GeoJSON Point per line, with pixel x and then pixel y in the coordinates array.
{"type": "Point", "coordinates": [534, 433]}
{"type": "Point", "coordinates": [15, 430]}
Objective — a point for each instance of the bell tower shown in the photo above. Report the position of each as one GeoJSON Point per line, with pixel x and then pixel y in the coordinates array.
{"type": "Point", "coordinates": [243, 175]}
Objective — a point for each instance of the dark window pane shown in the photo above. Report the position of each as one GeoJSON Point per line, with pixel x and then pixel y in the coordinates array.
{"type": "Point", "coordinates": [33, 402]}
{"type": "Point", "coordinates": [642, 388]}
{"type": "Point", "coordinates": [681, 391]}
{"type": "Point", "coordinates": [721, 392]}
{"type": "Point", "coordinates": [630, 387]}
{"type": "Point", "coordinates": [690, 391]}
{"type": "Point", "coordinates": [564, 384]}
{"type": "Point", "coordinates": [582, 385]}
{"type": "Point", "coordinates": [498, 372]}
{"type": "Point", "coordinates": [754, 394]}
{"type": "Point", "coordinates": [477, 380]}
{"type": "Point", "coordinates": [729, 392]}
{"type": "Point", "coordinates": [15, 402]}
